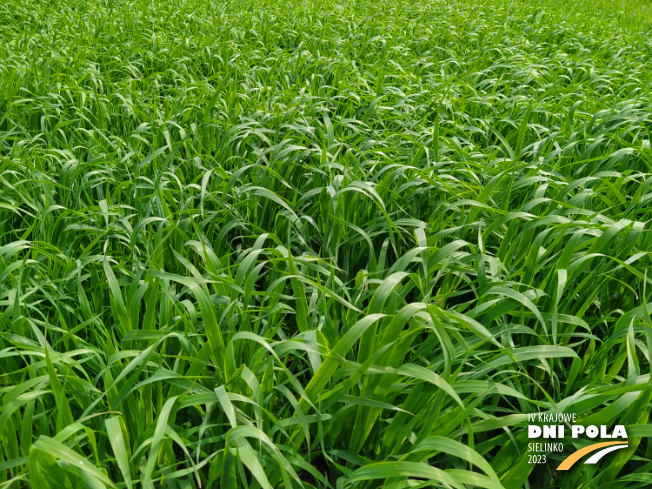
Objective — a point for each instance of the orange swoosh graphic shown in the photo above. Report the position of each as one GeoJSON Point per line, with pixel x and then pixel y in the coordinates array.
{"type": "Point", "coordinates": [574, 457]}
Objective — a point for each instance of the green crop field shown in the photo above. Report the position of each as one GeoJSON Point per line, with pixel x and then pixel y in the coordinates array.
{"type": "Point", "coordinates": [337, 244]}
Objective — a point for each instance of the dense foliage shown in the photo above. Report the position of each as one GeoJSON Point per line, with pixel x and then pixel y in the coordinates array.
{"type": "Point", "coordinates": [335, 244]}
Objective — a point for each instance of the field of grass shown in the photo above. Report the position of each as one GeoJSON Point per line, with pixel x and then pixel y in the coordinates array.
{"type": "Point", "coordinates": [336, 244]}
